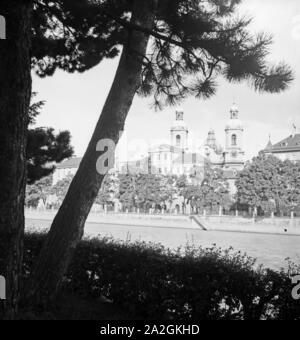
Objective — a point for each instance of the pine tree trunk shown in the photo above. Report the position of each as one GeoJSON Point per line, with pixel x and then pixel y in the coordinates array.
{"type": "Point", "coordinates": [15, 91]}
{"type": "Point", "coordinates": [68, 226]}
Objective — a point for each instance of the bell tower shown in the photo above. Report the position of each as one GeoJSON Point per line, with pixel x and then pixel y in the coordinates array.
{"type": "Point", "coordinates": [179, 131]}
{"type": "Point", "coordinates": [234, 153]}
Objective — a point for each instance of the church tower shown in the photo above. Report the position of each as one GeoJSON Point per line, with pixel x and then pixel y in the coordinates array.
{"type": "Point", "coordinates": [234, 153]}
{"type": "Point", "coordinates": [179, 132]}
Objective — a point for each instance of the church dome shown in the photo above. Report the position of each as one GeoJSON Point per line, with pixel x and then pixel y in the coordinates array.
{"type": "Point", "coordinates": [212, 143]}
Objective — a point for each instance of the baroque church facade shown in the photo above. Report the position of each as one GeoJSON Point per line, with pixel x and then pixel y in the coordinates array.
{"type": "Point", "coordinates": [178, 158]}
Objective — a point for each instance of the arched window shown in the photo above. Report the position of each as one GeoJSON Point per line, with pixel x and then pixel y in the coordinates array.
{"type": "Point", "coordinates": [178, 140]}
{"type": "Point", "coordinates": [234, 140]}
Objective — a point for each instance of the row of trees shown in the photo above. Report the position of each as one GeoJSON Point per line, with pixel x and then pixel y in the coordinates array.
{"type": "Point", "coordinates": [144, 191]}
{"type": "Point", "coordinates": [212, 194]}
{"type": "Point", "coordinates": [270, 185]}
{"type": "Point", "coordinates": [169, 49]}
{"type": "Point", "coordinates": [266, 184]}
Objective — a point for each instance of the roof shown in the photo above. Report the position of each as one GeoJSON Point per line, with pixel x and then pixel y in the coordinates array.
{"type": "Point", "coordinates": [71, 163]}
{"type": "Point", "coordinates": [291, 143]}
{"type": "Point", "coordinates": [269, 146]}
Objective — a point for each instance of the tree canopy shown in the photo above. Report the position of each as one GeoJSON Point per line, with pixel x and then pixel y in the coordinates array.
{"type": "Point", "coordinates": [211, 193]}
{"type": "Point", "coordinates": [269, 184]}
{"type": "Point", "coordinates": [40, 190]}
{"type": "Point", "coordinates": [192, 43]}
{"type": "Point", "coordinates": [140, 190]}
{"type": "Point", "coordinates": [45, 148]}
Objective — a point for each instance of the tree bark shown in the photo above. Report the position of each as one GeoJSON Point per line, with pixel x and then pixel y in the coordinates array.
{"type": "Point", "coordinates": [68, 226]}
{"type": "Point", "coordinates": [15, 92]}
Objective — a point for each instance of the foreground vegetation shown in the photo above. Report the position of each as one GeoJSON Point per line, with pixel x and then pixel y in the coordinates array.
{"type": "Point", "coordinates": [111, 279]}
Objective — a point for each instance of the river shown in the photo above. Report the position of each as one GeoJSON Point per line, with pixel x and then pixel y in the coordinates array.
{"type": "Point", "coordinates": [270, 250]}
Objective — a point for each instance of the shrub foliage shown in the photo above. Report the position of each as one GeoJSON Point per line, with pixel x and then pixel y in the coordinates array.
{"type": "Point", "coordinates": [152, 282]}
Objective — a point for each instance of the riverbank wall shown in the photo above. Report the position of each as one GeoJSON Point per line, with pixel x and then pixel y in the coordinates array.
{"type": "Point", "coordinates": [288, 226]}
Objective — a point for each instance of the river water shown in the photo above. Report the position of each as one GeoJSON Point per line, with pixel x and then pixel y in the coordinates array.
{"type": "Point", "coordinates": [270, 250]}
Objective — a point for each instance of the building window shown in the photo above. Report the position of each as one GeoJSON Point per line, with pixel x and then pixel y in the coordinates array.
{"type": "Point", "coordinates": [178, 140]}
{"type": "Point", "coordinates": [166, 156]}
{"type": "Point", "coordinates": [234, 140]}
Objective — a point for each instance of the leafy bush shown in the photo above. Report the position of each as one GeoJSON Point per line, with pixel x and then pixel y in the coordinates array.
{"type": "Point", "coordinates": [152, 282]}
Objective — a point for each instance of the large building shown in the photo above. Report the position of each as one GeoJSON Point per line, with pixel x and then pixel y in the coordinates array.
{"type": "Point", "coordinates": [178, 158]}
{"type": "Point", "coordinates": [287, 149]}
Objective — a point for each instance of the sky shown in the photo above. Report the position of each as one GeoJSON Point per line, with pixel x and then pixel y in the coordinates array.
{"type": "Point", "coordinates": [74, 101]}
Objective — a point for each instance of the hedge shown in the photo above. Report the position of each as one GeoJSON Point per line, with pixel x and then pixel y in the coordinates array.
{"type": "Point", "coordinates": [152, 282]}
